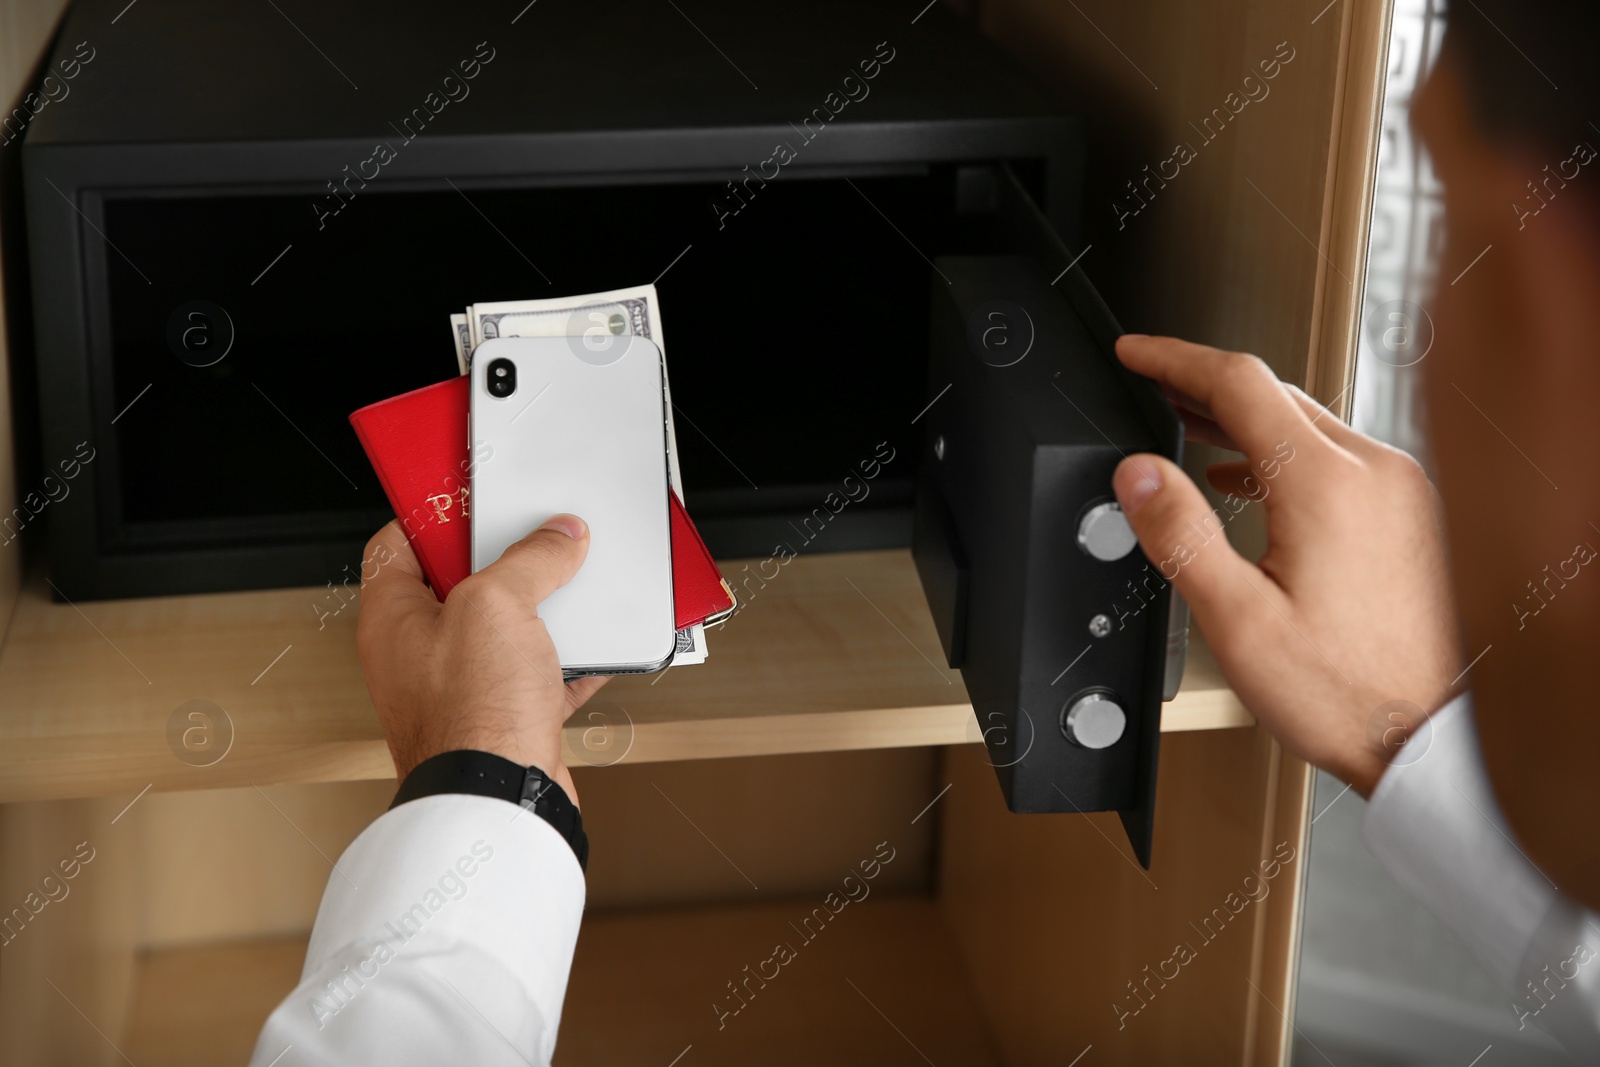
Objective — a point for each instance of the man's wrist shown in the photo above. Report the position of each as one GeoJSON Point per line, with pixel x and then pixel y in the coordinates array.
{"type": "Point", "coordinates": [544, 753]}
{"type": "Point", "coordinates": [1385, 741]}
{"type": "Point", "coordinates": [1364, 780]}
{"type": "Point", "coordinates": [477, 773]}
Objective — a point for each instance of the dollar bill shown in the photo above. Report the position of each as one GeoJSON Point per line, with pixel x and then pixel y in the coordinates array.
{"type": "Point", "coordinates": [633, 312]}
{"type": "Point", "coordinates": [461, 334]}
{"type": "Point", "coordinates": [610, 317]}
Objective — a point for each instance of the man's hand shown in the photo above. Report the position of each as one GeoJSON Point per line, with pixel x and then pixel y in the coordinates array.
{"type": "Point", "coordinates": [1349, 609]}
{"type": "Point", "coordinates": [478, 671]}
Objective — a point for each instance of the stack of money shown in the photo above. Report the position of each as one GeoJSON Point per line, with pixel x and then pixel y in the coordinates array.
{"type": "Point", "coordinates": [635, 312]}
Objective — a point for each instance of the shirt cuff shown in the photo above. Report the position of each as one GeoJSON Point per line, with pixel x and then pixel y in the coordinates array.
{"type": "Point", "coordinates": [1434, 824]}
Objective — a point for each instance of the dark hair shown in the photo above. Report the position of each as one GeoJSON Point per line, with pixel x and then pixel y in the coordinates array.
{"type": "Point", "coordinates": [1529, 69]}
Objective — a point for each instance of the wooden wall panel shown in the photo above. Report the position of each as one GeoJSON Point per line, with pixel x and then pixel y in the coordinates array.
{"type": "Point", "coordinates": [1058, 924]}
{"type": "Point", "coordinates": [1347, 218]}
{"type": "Point", "coordinates": [668, 833]}
{"type": "Point", "coordinates": [26, 26]}
{"type": "Point", "coordinates": [242, 863]}
{"type": "Point", "coordinates": [68, 969]}
{"type": "Point", "coordinates": [1269, 1021]}
{"type": "Point", "coordinates": [83, 942]}
{"type": "Point", "coordinates": [1227, 251]}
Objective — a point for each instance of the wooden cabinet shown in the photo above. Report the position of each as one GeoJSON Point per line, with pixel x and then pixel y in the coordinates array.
{"type": "Point", "coordinates": [726, 801]}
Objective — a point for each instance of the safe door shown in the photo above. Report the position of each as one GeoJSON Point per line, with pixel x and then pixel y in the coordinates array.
{"type": "Point", "coordinates": [1042, 597]}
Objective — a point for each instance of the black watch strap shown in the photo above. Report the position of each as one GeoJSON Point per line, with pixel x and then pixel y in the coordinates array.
{"type": "Point", "coordinates": [486, 775]}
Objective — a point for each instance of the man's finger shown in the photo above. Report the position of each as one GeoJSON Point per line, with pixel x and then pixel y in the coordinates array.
{"type": "Point", "coordinates": [1183, 402]}
{"type": "Point", "coordinates": [545, 560]}
{"type": "Point", "coordinates": [580, 690]}
{"type": "Point", "coordinates": [394, 594]}
{"type": "Point", "coordinates": [1244, 397]}
{"type": "Point", "coordinates": [1184, 539]}
{"type": "Point", "coordinates": [1203, 430]}
{"type": "Point", "coordinates": [1329, 424]}
{"type": "Point", "coordinates": [1236, 478]}
{"type": "Point", "coordinates": [391, 578]}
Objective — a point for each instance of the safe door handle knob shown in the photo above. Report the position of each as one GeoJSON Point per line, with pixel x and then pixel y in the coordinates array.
{"type": "Point", "coordinates": [1095, 720]}
{"type": "Point", "coordinates": [1104, 533]}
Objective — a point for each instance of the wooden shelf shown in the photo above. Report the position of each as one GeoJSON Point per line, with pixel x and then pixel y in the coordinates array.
{"type": "Point", "coordinates": [881, 983]}
{"type": "Point", "coordinates": [837, 652]}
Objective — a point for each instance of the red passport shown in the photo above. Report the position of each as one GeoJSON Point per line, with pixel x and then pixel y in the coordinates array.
{"type": "Point", "coordinates": [698, 591]}
{"type": "Point", "coordinates": [417, 444]}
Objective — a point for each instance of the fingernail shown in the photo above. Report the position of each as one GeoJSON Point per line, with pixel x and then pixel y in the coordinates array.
{"type": "Point", "coordinates": [1135, 482]}
{"type": "Point", "coordinates": [570, 525]}
{"type": "Point", "coordinates": [1136, 336]}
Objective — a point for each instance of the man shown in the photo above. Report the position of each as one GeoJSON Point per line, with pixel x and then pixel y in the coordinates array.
{"type": "Point", "coordinates": [448, 929]}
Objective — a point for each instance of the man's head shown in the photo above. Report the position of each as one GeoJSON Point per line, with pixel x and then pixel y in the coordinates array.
{"type": "Point", "coordinates": [1513, 389]}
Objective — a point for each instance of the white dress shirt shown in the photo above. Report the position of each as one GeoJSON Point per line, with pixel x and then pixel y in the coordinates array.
{"type": "Point", "coordinates": [1433, 822]}
{"type": "Point", "coordinates": [445, 936]}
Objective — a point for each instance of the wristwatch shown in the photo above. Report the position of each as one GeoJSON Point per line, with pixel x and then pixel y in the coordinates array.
{"type": "Point", "coordinates": [484, 774]}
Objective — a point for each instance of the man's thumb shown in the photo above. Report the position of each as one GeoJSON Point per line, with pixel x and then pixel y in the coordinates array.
{"type": "Point", "coordinates": [546, 559]}
{"type": "Point", "coordinates": [1182, 535]}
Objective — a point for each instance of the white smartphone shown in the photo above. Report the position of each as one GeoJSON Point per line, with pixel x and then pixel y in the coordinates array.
{"type": "Point", "coordinates": [578, 425]}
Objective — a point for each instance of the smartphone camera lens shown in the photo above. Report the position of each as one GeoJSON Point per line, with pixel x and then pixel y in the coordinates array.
{"type": "Point", "coordinates": [502, 378]}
